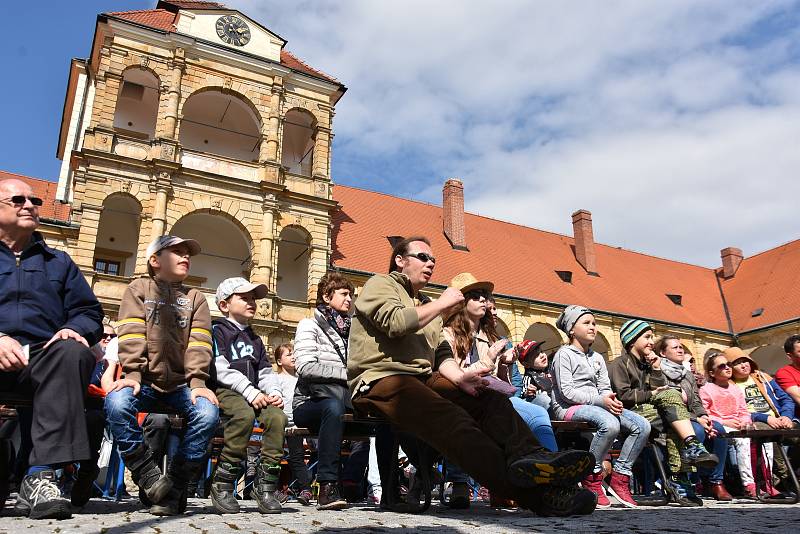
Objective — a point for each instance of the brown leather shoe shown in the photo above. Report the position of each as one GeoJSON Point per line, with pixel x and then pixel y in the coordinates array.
{"type": "Point", "coordinates": [719, 492]}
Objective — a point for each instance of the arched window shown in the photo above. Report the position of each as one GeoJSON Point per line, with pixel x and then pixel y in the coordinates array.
{"type": "Point", "coordinates": [293, 253]}
{"type": "Point", "coordinates": [117, 236]}
{"type": "Point", "coordinates": [297, 152]}
{"type": "Point", "coordinates": [225, 248]}
{"type": "Point", "coordinates": [137, 104]}
{"type": "Point", "coordinates": [601, 346]}
{"type": "Point", "coordinates": [547, 333]}
{"type": "Point", "coordinates": [220, 123]}
{"type": "Point", "coordinates": [501, 329]}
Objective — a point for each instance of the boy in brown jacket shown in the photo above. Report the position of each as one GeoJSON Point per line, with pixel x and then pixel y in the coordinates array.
{"type": "Point", "coordinates": [165, 353]}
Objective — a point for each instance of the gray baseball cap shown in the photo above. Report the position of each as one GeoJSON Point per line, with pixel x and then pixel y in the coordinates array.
{"type": "Point", "coordinates": [239, 285]}
{"type": "Point", "coordinates": [165, 241]}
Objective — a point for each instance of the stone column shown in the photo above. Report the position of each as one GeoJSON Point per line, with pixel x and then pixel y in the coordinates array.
{"type": "Point", "coordinates": [174, 93]}
{"type": "Point", "coordinates": [162, 190]}
{"type": "Point", "coordinates": [263, 274]}
{"type": "Point", "coordinates": [322, 140]}
{"type": "Point", "coordinates": [270, 151]}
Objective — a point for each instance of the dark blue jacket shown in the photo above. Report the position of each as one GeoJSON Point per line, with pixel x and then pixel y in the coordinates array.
{"type": "Point", "coordinates": [45, 293]}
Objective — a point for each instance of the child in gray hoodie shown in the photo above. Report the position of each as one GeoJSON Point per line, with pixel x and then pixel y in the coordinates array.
{"type": "Point", "coordinates": [582, 392]}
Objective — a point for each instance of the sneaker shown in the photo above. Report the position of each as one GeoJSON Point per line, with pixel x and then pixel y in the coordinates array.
{"type": "Point", "coordinates": [304, 497]}
{"type": "Point", "coordinates": [459, 497]}
{"type": "Point", "coordinates": [685, 490]}
{"type": "Point", "coordinates": [329, 498]}
{"type": "Point", "coordinates": [564, 468]}
{"type": "Point", "coordinates": [594, 483]}
{"type": "Point", "coordinates": [563, 501]}
{"type": "Point", "coordinates": [620, 488]}
{"type": "Point", "coordinates": [40, 498]}
{"type": "Point", "coordinates": [695, 454]}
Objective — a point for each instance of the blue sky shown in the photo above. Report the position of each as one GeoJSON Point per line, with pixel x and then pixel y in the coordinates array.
{"type": "Point", "coordinates": [676, 123]}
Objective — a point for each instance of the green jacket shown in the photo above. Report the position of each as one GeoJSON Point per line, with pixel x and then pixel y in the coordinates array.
{"type": "Point", "coordinates": [385, 337]}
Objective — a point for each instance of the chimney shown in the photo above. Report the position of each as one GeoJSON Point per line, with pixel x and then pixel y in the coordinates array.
{"type": "Point", "coordinates": [731, 258]}
{"type": "Point", "coordinates": [584, 240]}
{"type": "Point", "coordinates": [453, 213]}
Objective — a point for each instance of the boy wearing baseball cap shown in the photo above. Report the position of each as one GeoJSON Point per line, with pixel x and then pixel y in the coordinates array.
{"type": "Point", "coordinates": [165, 352]}
{"type": "Point", "coordinates": [247, 392]}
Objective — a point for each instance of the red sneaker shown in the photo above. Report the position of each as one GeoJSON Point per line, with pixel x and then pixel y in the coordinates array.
{"type": "Point", "coordinates": [594, 483]}
{"type": "Point", "coordinates": [620, 488]}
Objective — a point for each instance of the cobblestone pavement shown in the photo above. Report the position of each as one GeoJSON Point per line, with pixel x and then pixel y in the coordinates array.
{"type": "Point", "coordinates": [111, 518]}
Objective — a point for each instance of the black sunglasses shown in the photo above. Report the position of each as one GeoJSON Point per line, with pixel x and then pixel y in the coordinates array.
{"type": "Point", "coordinates": [423, 257]}
{"type": "Point", "coordinates": [476, 294]}
{"type": "Point", "coordinates": [109, 336]}
{"type": "Point", "coordinates": [722, 366]}
{"type": "Point", "coordinates": [19, 200]}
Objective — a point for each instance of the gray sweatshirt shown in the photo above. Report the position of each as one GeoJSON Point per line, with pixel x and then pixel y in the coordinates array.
{"type": "Point", "coordinates": [579, 379]}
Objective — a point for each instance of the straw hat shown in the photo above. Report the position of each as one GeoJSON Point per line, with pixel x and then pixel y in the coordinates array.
{"type": "Point", "coordinates": [466, 282]}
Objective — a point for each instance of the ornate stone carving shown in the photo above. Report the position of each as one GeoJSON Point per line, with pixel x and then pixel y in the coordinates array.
{"type": "Point", "coordinates": [265, 307]}
{"type": "Point", "coordinates": [145, 61]}
{"type": "Point", "coordinates": [167, 151]}
{"type": "Point", "coordinates": [216, 204]}
{"type": "Point", "coordinates": [126, 187]}
{"type": "Point", "coordinates": [226, 84]}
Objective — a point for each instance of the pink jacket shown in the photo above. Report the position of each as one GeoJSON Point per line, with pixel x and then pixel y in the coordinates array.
{"type": "Point", "coordinates": [725, 404]}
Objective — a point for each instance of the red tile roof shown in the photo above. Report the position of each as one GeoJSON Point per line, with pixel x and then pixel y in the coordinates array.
{"type": "Point", "coordinates": [180, 4]}
{"type": "Point", "coordinates": [522, 261]}
{"type": "Point", "coordinates": [46, 190]}
{"type": "Point", "coordinates": [771, 281]}
{"type": "Point", "coordinates": [165, 20]}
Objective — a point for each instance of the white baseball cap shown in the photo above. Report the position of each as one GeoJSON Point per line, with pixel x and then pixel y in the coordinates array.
{"type": "Point", "coordinates": [239, 285]}
{"type": "Point", "coordinates": [165, 241]}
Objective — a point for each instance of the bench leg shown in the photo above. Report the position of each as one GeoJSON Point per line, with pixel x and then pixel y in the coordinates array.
{"type": "Point", "coordinates": [792, 477]}
{"type": "Point", "coordinates": [666, 487]}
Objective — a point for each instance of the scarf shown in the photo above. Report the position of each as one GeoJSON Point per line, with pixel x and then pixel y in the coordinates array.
{"type": "Point", "coordinates": [337, 320]}
{"type": "Point", "coordinates": [674, 371]}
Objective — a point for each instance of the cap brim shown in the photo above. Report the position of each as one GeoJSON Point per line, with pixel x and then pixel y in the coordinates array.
{"type": "Point", "coordinates": [194, 246]}
{"type": "Point", "coordinates": [259, 290]}
{"type": "Point", "coordinates": [531, 350]}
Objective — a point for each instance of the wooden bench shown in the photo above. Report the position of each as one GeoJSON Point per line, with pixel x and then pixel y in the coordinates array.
{"type": "Point", "coordinates": [777, 436]}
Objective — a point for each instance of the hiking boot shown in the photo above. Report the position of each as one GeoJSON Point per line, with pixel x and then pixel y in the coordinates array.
{"type": "Point", "coordinates": [685, 490]}
{"type": "Point", "coordinates": [695, 454]}
{"type": "Point", "coordinates": [719, 491]}
{"type": "Point", "coordinates": [620, 488]}
{"type": "Point", "coordinates": [40, 498]}
{"type": "Point", "coordinates": [594, 483]}
{"type": "Point", "coordinates": [84, 485]}
{"type": "Point", "coordinates": [265, 488]}
{"type": "Point", "coordinates": [563, 501]}
{"type": "Point", "coordinates": [459, 497]}
{"type": "Point", "coordinates": [564, 468]}
{"type": "Point", "coordinates": [222, 488]}
{"type": "Point", "coordinates": [304, 497]}
{"type": "Point", "coordinates": [329, 498]}
{"type": "Point", "coordinates": [180, 473]}
{"type": "Point", "coordinates": [146, 474]}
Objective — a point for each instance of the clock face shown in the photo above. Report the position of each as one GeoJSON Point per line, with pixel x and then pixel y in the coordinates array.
{"type": "Point", "coordinates": [233, 30]}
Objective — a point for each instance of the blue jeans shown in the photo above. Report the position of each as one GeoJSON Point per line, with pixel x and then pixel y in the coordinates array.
{"type": "Point", "coordinates": [201, 419]}
{"type": "Point", "coordinates": [538, 420]}
{"type": "Point", "coordinates": [717, 445]}
{"type": "Point", "coordinates": [325, 417]}
{"type": "Point", "coordinates": [633, 426]}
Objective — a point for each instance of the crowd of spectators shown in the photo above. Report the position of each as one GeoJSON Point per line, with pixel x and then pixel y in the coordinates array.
{"type": "Point", "coordinates": [435, 370]}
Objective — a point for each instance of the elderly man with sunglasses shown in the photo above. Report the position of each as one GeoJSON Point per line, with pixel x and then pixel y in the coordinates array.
{"type": "Point", "coordinates": [402, 368]}
{"type": "Point", "coordinates": [49, 318]}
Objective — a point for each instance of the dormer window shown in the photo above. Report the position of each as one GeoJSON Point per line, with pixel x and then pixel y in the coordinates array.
{"type": "Point", "coordinates": [675, 298]}
{"type": "Point", "coordinates": [757, 312]}
{"type": "Point", "coordinates": [566, 276]}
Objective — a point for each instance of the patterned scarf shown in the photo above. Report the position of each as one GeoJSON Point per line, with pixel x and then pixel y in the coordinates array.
{"type": "Point", "coordinates": [338, 321]}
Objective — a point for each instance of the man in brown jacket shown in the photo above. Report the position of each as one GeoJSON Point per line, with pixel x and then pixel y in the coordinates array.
{"type": "Point", "coordinates": [401, 368]}
{"type": "Point", "coordinates": [165, 353]}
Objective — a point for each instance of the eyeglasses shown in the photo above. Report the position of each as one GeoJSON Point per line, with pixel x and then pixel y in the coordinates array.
{"type": "Point", "coordinates": [423, 257]}
{"type": "Point", "coordinates": [19, 200]}
{"type": "Point", "coordinates": [108, 337]}
{"type": "Point", "coordinates": [722, 366]}
{"type": "Point", "coordinates": [476, 295]}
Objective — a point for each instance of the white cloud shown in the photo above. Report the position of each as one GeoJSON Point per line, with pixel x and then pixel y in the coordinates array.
{"type": "Point", "coordinates": [676, 123]}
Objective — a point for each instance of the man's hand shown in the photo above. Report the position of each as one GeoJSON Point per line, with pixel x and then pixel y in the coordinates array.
{"type": "Point", "coordinates": [472, 382]}
{"type": "Point", "coordinates": [126, 383]}
{"type": "Point", "coordinates": [66, 333]}
{"type": "Point", "coordinates": [611, 403]}
{"type": "Point", "coordinates": [654, 360]}
{"type": "Point", "coordinates": [450, 298]}
{"type": "Point", "coordinates": [11, 356]}
{"type": "Point", "coordinates": [206, 394]}
{"type": "Point", "coordinates": [275, 400]}
{"type": "Point", "coordinates": [260, 401]}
